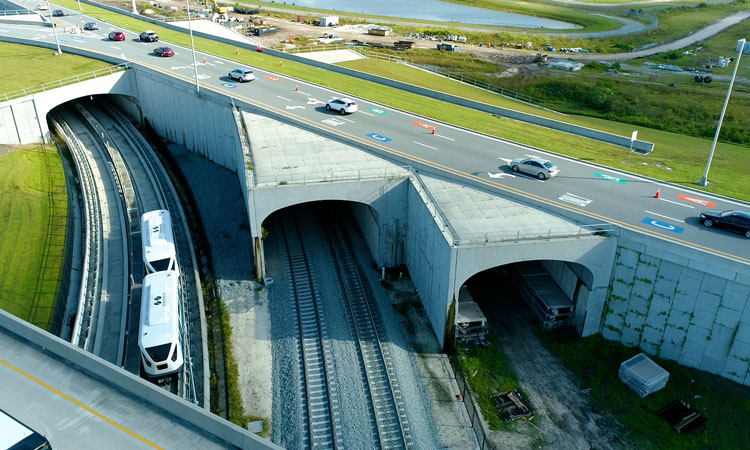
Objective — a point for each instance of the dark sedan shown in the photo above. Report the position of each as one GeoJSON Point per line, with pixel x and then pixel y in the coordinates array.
{"type": "Point", "coordinates": [163, 51]}
{"type": "Point", "coordinates": [737, 221]}
{"type": "Point", "coordinates": [58, 13]}
{"type": "Point", "coordinates": [117, 36]}
{"type": "Point", "coordinates": [91, 26]}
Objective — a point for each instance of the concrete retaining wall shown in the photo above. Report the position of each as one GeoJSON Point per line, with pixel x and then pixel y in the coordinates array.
{"type": "Point", "coordinates": [19, 123]}
{"type": "Point", "coordinates": [134, 386]}
{"type": "Point", "coordinates": [681, 304]}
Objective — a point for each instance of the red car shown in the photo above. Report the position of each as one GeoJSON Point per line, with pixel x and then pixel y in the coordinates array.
{"type": "Point", "coordinates": [117, 36]}
{"type": "Point", "coordinates": [163, 51]}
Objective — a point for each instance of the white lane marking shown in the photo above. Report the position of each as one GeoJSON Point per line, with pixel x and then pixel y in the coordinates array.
{"type": "Point", "coordinates": [348, 120]}
{"type": "Point", "coordinates": [177, 67]}
{"type": "Point", "coordinates": [424, 145]}
{"type": "Point", "coordinates": [116, 47]}
{"type": "Point", "coordinates": [444, 137]}
{"type": "Point", "coordinates": [367, 114]}
{"type": "Point", "coordinates": [507, 160]}
{"type": "Point", "coordinates": [666, 217]}
{"type": "Point", "coordinates": [203, 76]}
{"type": "Point", "coordinates": [313, 101]}
{"type": "Point", "coordinates": [283, 98]}
{"type": "Point", "coordinates": [218, 62]}
{"type": "Point", "coordinates": [332, 122]}
{"type": "Point", "coordinates": [500, 175]}
{"type": "Point", "coordinates": [574, 199]}
{"type": "Point", "coordinates": [4, 31]}
{"type": "Point", "coordinates": [300, 92]}
{"type": "Point", "coordinates": [677, 203]}
{"type": "Point", "coordinates": [294, 107]}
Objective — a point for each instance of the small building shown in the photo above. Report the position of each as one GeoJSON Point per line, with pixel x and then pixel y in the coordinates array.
{"type": "Point", "coordinates": [449, 47]}
{"type": "Point", "coordinates": [329, 21]}
{"type": "Point", "coordinates": [379, 31]}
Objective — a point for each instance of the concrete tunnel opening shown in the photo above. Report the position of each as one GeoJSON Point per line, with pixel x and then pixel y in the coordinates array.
{"type": "Point", "coordinates": [547, 294]}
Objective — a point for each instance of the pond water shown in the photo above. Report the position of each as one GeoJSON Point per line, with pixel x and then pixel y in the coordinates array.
{"type": "Point", "coordinates": [434, 10]}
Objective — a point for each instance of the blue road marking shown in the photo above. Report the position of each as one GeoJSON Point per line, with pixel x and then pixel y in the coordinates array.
{"type": "Point", "coordinates": [378, 137]}
{"type": "Point", "coordinates": [604, 176]}
{"type": "Point", "coordinates": [377, 111]}
{"type": "Point", "coordinates": [663, 225]}
{"type": "Point", "coordinates": [228, 85]}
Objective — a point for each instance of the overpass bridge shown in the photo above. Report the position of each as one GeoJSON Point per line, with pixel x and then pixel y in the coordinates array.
{"type": "Point", "coordinates": [442, 216]}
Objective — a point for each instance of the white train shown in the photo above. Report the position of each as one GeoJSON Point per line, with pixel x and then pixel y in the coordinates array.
{"type": "Point", "coordinates": [158, 242]}
{"type": "Point", "coordinates": [159, 337]}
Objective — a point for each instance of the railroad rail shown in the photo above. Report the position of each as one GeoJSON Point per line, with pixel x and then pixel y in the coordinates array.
{"type": "Point", "coordinates": [322, 408]}
{"type": "Point", "coordinates": [388, 414]}
{"type": "Point", "coordinates": [92, 241]}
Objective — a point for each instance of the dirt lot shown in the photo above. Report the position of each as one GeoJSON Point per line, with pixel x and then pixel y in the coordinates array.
{"type": "Point", "coordinates": [565, 417]}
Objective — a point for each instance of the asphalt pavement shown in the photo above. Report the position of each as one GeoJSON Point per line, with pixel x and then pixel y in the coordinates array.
{"type": "Point", "coordinates": [597, 194]}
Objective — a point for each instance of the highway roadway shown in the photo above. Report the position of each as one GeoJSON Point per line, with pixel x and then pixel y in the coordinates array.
{"type": "Point", "coordinates": [600, 194]}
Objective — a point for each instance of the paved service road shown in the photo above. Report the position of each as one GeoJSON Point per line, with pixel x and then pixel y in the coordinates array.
{"type": "Point", "coordinates": [601, 194]}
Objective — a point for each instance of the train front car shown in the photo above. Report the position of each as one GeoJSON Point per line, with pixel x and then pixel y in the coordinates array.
{"type": "Point", "coordinates": [158, 242]}
{"type": "Point", "coordinates": [159, 337]}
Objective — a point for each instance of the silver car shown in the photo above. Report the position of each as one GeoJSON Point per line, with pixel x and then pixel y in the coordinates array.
{"type": "Point", "coordinates": [538, 167]}
{"type": "Point", "coordinates": [242, 75]}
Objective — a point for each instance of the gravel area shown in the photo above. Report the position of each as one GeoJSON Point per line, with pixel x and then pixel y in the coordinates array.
{"type": "Point", "coordinates": [229, 236]}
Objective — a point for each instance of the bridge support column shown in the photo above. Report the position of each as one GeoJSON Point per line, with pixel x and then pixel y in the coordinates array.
{"type": "Point", "coordinates": [260, 258]}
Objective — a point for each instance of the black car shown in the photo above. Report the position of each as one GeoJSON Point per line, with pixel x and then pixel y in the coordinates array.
{"type": "Point", "coordinates": [58, 13]}
{"type": "Point", "coordinates": [148, 36]}
{"type": "Point", "coordinates": [737, 221]}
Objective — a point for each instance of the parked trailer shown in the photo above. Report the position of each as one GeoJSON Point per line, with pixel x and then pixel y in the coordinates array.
{"type": "Point", "coordinates": [547, 301]}
{"type": "Point", "coordinates": [257, 31]}
{"type": "Point", "coordinates": [449, 47]}
{"type": "Point", "coordinates": [471, 324]}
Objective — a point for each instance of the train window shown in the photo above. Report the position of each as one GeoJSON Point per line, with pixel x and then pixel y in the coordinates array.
{"type": "Point", "coordinates": [160, 352]}
{"type": "Point", "coordinates": [15, 435]}
{"type": "Point", "coordinates": [160, 264]}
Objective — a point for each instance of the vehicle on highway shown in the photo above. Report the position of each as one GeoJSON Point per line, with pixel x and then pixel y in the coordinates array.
{"type": "Point", "coordinates": [342, 105]}
{"type": "Point", "coordinates": [42, 7]}
{"type": "Point", "coordinates": [163, 51]}
{"type": "Point", "coordinates": [15, 435]}
{"type": "Point", "coordinates": [737, 221]}
{"type": "Point", "coordinates": [148, 36]}
{"type": "Point", "coordinates": [158, 242]}
{"type": "Point", "coordinates": [91, 26]}
{"type": "Point", "coordinates": [58, 13]}
{"type": "Point", "coordinates": [117, 36]}
{"type": "Point", "coordinates": [242, 75]}
{"type": "Point", "coordinates": [159, 337]}
{"type": "Point", "coordinates": [538, 167]}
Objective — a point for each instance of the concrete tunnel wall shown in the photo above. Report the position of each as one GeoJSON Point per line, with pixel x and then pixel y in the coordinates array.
{"type": "Point", "coordinates": [24, 120]}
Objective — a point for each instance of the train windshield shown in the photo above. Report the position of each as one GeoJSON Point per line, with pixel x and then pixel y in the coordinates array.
{"type": "Point", "coordinates": [15, 435]}
{"type": "Point", "coordinates": [161, 264]}
{"type": "Point", "coordinates": [160, 352]}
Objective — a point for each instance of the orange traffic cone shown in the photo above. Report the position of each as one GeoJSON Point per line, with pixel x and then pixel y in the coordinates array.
{"type": "Point", "coordinates": [204, 60]}
{"type": "Point", "coordinates": [296, 88]}
{"type": "Point", "coordinates": [236, 51]}
{"type": "Point", "coordinates": [657, 192]}
{"type": "Point", "coordinates": [433, 130]}
{"type": "Point", "coordinates": [281, 63]}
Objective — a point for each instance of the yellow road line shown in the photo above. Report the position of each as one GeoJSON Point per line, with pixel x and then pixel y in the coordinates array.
{"type": "Point", "coordinates": [79, 404]}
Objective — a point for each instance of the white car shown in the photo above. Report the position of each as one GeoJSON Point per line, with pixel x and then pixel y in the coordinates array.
{"type": "Point", "coordinates": [342, 105]}
{"type": "Point", "coordinates": [242, 75]}
{"type": "Point", "coordinates": [42, 7]}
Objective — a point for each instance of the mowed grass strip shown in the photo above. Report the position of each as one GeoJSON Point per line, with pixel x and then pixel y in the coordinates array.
{"type": "Point", "coordinates": [595, 361]}
{"type": "Point", "coordinates": [24, 66]}
{"type": "Point", "coordinates": [685, 156]}
{"type": "Point", "coordinates": [33, 221]}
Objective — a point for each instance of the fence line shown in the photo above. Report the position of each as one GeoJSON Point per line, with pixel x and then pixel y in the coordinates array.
{"type": "Point", "coordinates": [64, 82]}
{"type": "Point", "coordinates": [472, 409]}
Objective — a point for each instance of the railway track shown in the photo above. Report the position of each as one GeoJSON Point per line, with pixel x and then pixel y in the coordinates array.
{"type": "Point", "coordinates": [390, 427]}
{"type": "Point", "coordinates": [322, 409]}
{"type": "Point", "coordinates": [143, 186]}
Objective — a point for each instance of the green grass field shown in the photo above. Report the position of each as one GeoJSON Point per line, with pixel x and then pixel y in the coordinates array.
{"type": "Point", "coordinates": [726, 404]}
{"type": "Point", "coordinates": [38, 61]}
{"type": "Point", "coordinates": [33, 220]}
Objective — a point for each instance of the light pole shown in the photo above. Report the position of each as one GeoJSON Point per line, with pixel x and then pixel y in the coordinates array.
{"type": "Point", "coordinates": [704, 180]}
{"type": "Point", "coordinates": [192, 47]}
{"type": "Point", "coordinates": [54, 29]}
{"type": "Point", "coordinates": [135, 10]}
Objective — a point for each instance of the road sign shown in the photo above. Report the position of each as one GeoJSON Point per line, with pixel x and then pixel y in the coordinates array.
{"type": "Point", "coordinates": [378, 137]}
{"type": "Point", "coordinates": [697, 201]}
{"type": "Point", "coordinates": [228, 85]}
{"type": "Point", "coordinates": [377, 111]}
{"type": "Point", "coordinates": [663, 225]}
{"type": "Point", "coordinates": [604, 176]}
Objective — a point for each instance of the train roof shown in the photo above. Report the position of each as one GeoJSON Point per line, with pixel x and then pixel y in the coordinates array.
{"type": "Point", "coordinates": [159, 308]}
{"type": "Point", "coordinates": [158, 241]}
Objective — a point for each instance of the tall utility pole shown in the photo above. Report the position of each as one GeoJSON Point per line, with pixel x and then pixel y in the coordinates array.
{"type": "Point", "coordinates": [54, 28]}
{"type": "Point", "coordinates": [192, 47]}
{"type": "Point", "coordinates": [741, 46]}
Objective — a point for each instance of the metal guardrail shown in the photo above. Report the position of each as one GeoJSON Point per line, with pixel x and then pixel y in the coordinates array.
{"type": "Point", "coordinates": [514, 234]}
{"type": "Point", "coordinates": [429, 201]}
{"type": "Point", "coordinates": [18, 12]}
{"type": "Point", "coordinates": [64, 82]}
{"type": "Point", "coordinates": [335, 175]}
